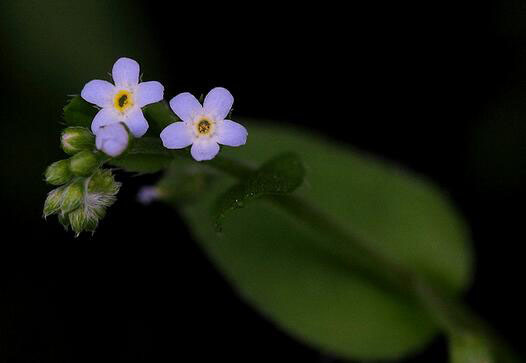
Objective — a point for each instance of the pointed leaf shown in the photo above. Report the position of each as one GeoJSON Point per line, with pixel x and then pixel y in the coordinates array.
{"type": "Point", "coordinates": [290, 272]}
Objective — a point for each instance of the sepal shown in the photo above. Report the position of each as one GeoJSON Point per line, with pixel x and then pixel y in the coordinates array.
{"type": "Point", "coordinates": [73, 196]}
{"type": "Point", "coordinates": [53, 202]}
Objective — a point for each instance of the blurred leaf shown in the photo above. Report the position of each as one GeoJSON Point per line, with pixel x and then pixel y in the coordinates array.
{"type": "Point", "coordinates": [159, 115]}
{"type": "Point", "coordinates": [294, 276]}
{"type": "Point", "coordinates": [79, 112]}
{"type": "Point", "coordinates": [148, 145]}
{"type": "Point", "coordinates": [281, 175]}
{"type": "Point", "coordinates": [143, 164]}
{"type": "Point", "coordinates": [468, 348]}
{"type": "Point", "coordinates": [185, 182]}
{"type": "Point", "coordinates": [146, 155]}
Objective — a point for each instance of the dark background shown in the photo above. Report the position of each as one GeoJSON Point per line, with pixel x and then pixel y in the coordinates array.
{"type": "Point", "coordinates": [439, 88]}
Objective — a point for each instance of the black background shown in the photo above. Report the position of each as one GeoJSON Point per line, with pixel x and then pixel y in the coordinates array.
{"type": "Point", "coordinates": [438, 87]}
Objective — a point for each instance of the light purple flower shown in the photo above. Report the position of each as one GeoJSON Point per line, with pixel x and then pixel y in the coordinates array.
{"type": "Point", "coordinates": [148, 194]}
{"type": "Point", "coordinates": [112, 139]}
{"type": "Point", "coordinates": [123, 101]}
{"type": "Point", "coordinates": [204, 127]}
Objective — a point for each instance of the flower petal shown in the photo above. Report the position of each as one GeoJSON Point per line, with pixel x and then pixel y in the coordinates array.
{"type": "Point", "coordinates": [186, 106]}
{"type": "Point", "coordinates": [98, 92]}
{"type": "Point", "coordinates": [136, 122]}
{"type": "Point", "coordinates": [149, 92]}
{"type": "Point", "coordinates": [231, 133]}
{"type": "Point", "coordinates": [105, 116]}
{"type": "Point", "coordinates": [177, 136]}
{"type": "Point", "coordinates": [204, 149]}
{"type": "Point", "coordinates": [218, 103]}
{"type": "Point", "coordinates": [125, 72]}
{"type": "Point", "coordinates": [112, 139]}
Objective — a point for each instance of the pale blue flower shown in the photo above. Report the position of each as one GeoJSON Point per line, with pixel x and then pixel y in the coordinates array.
{"type": "Point", "coordinates": [123, 101]}
{"type": "Point", "coordinates": [204, 127]}
{"type": "Point", "coordinates": [148, 194]}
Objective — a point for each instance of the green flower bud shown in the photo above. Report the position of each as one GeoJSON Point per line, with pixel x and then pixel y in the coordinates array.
{"type": "Point", "coordinates": [58, 173]}
{"type": "Point", "coordinates": [53, 201]}
{"type": "Point", "coordinates": [83, 163]}
{"type": "Point", "coordinates": [103, 182]}
{"type": "Point", "coordinates": [72, 197]}
{"type": "Point", "coordinates": [81, 221]}
{"type": "Point", "coordinates": [76, 139]}
{"type": "Point", "coordinates": [82, 203]}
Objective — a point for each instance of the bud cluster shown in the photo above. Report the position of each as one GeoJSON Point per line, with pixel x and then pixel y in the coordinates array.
{"type": "Point", "coordinates": [78, 142]}
{"type": "Point", "coordinates": [82, 202]}
{"type": "Point", "coordinates": [84, 189]}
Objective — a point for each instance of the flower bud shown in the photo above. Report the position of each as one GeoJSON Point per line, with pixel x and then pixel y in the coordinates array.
{"type": "Point", "coordinates": [53, 201]}
{"type": "Point", "coordinates": [75, 139]}
{"type": "Point", "coordinates": [81, 221]}
{"type": "Point", "coordinates": [82, 203]}
{"type": "Point", "coordinates": [112, 139]}
{"type": "Point", "coordinates": [83, 163]}
{"type": "Point", "coordinates": [72, 197]}
{"type": "Point", "coordinates": [103, 182]}
{"type": "Point", "coordinates": [58, 173]}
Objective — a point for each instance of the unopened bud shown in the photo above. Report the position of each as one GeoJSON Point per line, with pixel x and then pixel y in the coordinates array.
{"type": "Point", "coordinates": [53, 201]}
{"type": "Point", "coordinates": [76, 139]}
{"type": "Point", "coordinates": [72, 197]}
{"type": "Point", "coordinates": [112, 139]}
{"type": "Point", "coordinates": [103, 182]}
{"type": "Point", "coordinates": [81, 221]}
{"type": "Point", "coordinates": [83, 163]}
{"type": "Point", "coordinates": [58, 173]}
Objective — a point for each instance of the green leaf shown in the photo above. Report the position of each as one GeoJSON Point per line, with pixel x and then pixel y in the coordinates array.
{"type": "Point", "coordinates": [159, 115]}
{"type": "Point", "coordinates": [143, 164]}
{"type": "Point", "coordinates": [281, 175]}
{"type": "Point", "coordinates": [185, 183]}
{"type": "Point", "coordinates": [79, 112]}
{"type": "Point", "coordinates": [146, 155]}
{"type": "Point", "coordinates": [291, 273]}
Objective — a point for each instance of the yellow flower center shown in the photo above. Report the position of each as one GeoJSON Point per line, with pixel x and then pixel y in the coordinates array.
{"type": "Point", "coordinates": [123, 100]}
{"type": "Point", "coordinates": [204, 127]}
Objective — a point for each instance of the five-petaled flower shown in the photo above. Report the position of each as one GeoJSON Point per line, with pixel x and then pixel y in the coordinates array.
{"type": "Point", "coordinates": [122, 102]}
{"type": "Point", "coordinates": [204, 127]}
